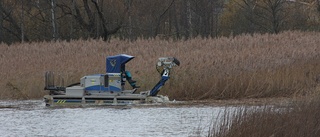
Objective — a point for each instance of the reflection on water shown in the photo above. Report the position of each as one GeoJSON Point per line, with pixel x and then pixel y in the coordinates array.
{"type": "Point", "coordinates": [32, 118]}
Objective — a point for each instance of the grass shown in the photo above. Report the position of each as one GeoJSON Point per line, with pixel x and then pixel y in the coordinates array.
{"type": "Point", "coordinates": [246, 66]}
{"type": "Point", "coordinates": [300, 119]}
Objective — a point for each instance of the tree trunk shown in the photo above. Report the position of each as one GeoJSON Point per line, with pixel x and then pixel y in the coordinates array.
{"type": "Point", "coordinates": [318, 6]}
{"type": "Point", "coordinates": [15, 28]}
{"type": "Point", "coordinates": [161, 17]}
{"type": "Point", "coordinates": [176, 24]}
{"type": "Point", "coordinates": [1, 23]}
{"type": "Point", "coordinates": [189, 18]}
{"type": "Point", "coordinates": [106, 32]}
{"type": "Point", "coordinates": [129, 4]}
{"type": "Point", "coordinates": [22, 22]}
{"type": "Point", "coordinates": [53, 20]}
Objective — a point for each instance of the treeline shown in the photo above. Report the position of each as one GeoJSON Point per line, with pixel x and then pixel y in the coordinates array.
{"type": "Point", "coordinates": [45, 20]}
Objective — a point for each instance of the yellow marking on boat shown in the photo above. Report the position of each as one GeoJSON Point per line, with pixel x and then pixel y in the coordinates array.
{"type": "Point", "coordinates": [93, 81]}
{"type": "Point", "coordinates": [61, 101]}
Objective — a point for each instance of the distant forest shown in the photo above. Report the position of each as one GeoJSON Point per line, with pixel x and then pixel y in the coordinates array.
{"type": "Point", "coordinates": [46, 20]}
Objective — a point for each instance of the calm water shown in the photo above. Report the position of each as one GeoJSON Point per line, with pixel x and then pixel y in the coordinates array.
{"type": "Point", "coordinates": [32, 118]}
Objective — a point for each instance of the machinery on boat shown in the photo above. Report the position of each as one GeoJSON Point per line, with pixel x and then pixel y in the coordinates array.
{"type": "Point", "coordinates": [109, 88]}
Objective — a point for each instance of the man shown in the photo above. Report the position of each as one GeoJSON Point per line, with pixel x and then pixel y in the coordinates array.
{"type": "Point", "coordinates": [132, 82]}
{"type": "Point", "coordinates": [127, 75]}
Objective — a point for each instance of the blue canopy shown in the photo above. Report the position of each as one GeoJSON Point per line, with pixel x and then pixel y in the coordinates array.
{"type": "Point", "coordinates": [114, 64]}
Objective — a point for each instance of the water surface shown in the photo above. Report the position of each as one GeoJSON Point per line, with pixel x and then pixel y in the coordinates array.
{"type": "Point", "coordinates": [32, 118]}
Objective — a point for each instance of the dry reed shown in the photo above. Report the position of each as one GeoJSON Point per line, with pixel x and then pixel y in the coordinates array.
{"type": "Point", "coordinates": [240, 67]}
{"type": "Point", "coordinates": [300, 119]}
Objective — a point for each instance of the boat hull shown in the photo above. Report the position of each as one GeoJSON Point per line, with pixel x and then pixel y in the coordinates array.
{"type": "Point", "coordinates": [131, 99]}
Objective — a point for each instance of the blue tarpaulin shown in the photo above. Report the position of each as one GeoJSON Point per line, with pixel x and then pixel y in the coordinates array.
{"type": "Point", "coordinates": [114, 64]}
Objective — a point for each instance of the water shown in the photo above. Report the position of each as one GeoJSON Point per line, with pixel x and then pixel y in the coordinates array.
{"type": "Point", "coordinates": [32, 118]}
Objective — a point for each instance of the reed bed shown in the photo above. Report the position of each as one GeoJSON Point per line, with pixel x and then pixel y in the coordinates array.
{"type": "Point", "coordinates": [246, 66]}
{"type": "Point", "coordinates": [299, 119]}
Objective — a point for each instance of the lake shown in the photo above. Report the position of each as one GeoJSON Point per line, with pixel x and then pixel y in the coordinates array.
{"type": "Point", "coordinates": [32, 118]}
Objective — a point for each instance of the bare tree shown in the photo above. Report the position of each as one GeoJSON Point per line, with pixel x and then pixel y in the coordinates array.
{"type": "Point", "coordinates": [176, 24]}
{"type": "Point", "coordinates": [13, 28]}
{"type": "Point", "coordinates": [106, 31]}
{"type": "Point", "coordinates": [275, 9]}
{"type": "Point", "coordinates": [129, 5]}
{"type": "Point", "coordinates": [268, 15]}
{"type": "Point", "coordinates": [1, 23]}
{"type": "Point", "coordinates": [22, 22]}
{"type": "Point", "coordinates": [249, 7]}
{"type": "Point", "coordinates": [318, 5]}
{"type": "Point", "coordinates": [189, 19]}
{"type": "Point", "coordinates": [53, 20]}
{"type": "Point", "coordinates": [90, 24]}
{"type": "Point", "coordinates": [161, 17]}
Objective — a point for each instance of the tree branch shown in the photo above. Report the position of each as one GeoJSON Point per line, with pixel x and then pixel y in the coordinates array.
{"type": "Point", "coordinates": [160, 18]}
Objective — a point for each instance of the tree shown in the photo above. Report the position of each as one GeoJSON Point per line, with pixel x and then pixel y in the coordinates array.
{"type": "Point", "coordinates": [106, 31]}
{"type": "Point", "coordinates": [161, 16]}
{"type": "Point", "coordinates": [10, 23]}
{"type": "Point", "coordinates": [90, 25]}
{"type": "Point", "coordinates": [1, 23]}
{"type": "Point", "coordinates": [234, 20]}
{"type": "Point", "coordinates": [265, 16]}
{"type": "Point", "coordinates": [38, 20]}
{"type": "Point", "coordinates": [273, 13]}
{"type": "Point", "coordinates": [55, 34]}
